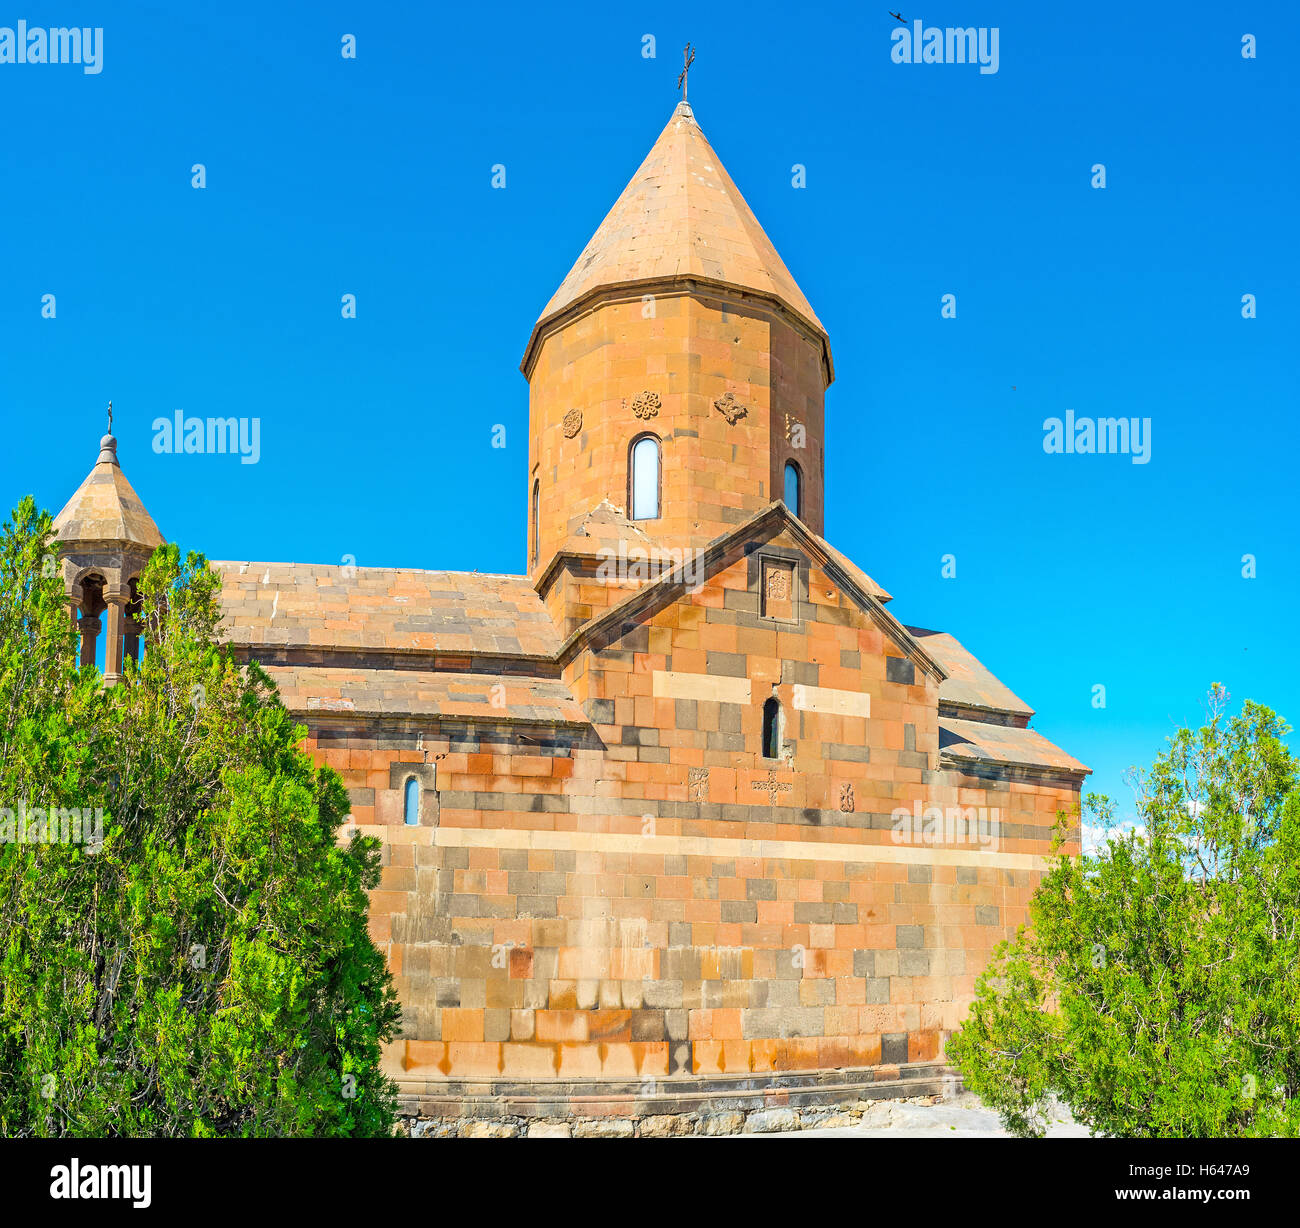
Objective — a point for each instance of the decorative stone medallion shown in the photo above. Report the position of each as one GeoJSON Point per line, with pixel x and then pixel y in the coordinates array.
{"type": "Point", "coordinates": [647, 405]}
{"type": "Point", "coordinates": [572, 423]}
{"type": "Point", "coordinates": [846, 798]}
{"type": "Point", "coordinates": [730, 408]}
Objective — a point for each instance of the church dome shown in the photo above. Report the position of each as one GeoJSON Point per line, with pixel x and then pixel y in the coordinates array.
{"type": "Point", "coordinates": [681, 218]}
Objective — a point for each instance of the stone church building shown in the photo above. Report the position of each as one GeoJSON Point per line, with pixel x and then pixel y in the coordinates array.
{"type": "Point", "coordinates": [683, 817]}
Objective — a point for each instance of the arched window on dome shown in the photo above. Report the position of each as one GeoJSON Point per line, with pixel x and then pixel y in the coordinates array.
{"type": "Point", "coordinates": [643, 478]}
{"type": "Point", "coordinates": [794, 488]}
{"type": "Point", "coordinates": [411, 802]}
{"type": "Point", "coordinates": [535, 541]}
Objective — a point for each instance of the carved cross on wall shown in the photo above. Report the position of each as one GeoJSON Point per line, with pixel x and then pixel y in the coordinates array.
{"type": "Point", "coordinates": [771, 786]}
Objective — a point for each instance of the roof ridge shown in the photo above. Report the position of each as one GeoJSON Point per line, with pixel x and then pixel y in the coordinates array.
{"type": "Point", "coordinates": [419, 571]}
{"type": "Point", "coordinates": [872, 605]}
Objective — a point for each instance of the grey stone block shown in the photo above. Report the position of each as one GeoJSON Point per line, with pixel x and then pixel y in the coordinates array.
{"type": "Point", "coordinates": [650, 1026]}
{"type": "Point", "coordinates": [538, 906]}
{"type": "Point", "coordinates": [782, 1021]}
{"type": "Point", "coordinates": [662, 995]}
{"type": "Point", "coordinates": [726, 664]}
{"type": "Point", "coordinates": [739, 910]}
{"type": "Point", "coordinates": [909, 936]}
{"type": "Point", "coordinates": [914, 963]}
{"type": "Point", "coordinates": [808, 913]}
{"type": "Point", "coordinates": [522, 882]}
{"type": "Point", "coordinates": [899, 669]}
{"type": "Point", "coordinates": [893, 1048]}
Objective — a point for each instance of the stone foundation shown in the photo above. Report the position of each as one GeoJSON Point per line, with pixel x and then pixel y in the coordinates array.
{"type": "Point", "coordinates": [717, 1105]}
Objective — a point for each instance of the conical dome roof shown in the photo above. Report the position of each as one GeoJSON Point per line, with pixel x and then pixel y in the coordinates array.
{"type": "Point", "coordinates": [681, 218]}
{"type": "Point", "coordinates": [106, 507]}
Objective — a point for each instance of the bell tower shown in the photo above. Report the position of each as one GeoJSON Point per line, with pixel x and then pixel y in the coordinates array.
{"type": "Point", "coordinates": [677, 377]}
{"type": "Point", "coordinates": [104, 538]}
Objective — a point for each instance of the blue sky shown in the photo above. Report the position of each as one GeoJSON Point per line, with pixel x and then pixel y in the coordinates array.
{"type": "Point", "coordinates": [327, 176]}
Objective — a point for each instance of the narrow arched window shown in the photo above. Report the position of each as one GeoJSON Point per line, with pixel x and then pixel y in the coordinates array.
{"type": "Point", "coordinates": [536, 539]}
{"type": "Point", "coordinates": [412, 802]}
{"type": "Point", "coordinates": [772, 728]}
{"type": "Point", "coordinates": [643, 478]}
{"type": "Point", "coordinates": [793, 488]}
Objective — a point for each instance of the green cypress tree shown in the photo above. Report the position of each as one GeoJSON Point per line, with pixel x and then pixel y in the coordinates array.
{"type": "Point", "coordinates": [1156, 989]}
{"type": "Point", "coordinates": [205, 968]}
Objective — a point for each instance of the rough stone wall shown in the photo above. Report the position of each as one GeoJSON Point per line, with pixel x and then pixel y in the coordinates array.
{"type": "Point", "coordinates": [652, 899]}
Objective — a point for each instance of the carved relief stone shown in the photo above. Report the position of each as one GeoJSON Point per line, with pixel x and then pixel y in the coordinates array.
{"type": "Point", "coordinates": [778, 590]}
{"type": "Point", "coordinates": [572, 423]}
{"type": "Point", "coordinates": [647, 405]}
{"type": "Point", "coordinates": [730, 408]}
{"type": "Point", "coordinates": [698, 784]}
{"type": "Point", "coordinates": [846, 798]}
{"type": "Point", "coordinates": [771, 786]}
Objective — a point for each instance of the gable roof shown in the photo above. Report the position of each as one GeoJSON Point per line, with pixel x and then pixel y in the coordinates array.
{"type": "Point", "coordinates": [983, 744]}
{"type": "Point", "coordinates": [843, 560]}
{"type": "Point", "coordinates": [606, 526]}
{"type": "Point", "coordinates": [681, 218]}
{"type": "Point", "coordinates": [398, 693]}
{"type": "Point", "coordinates": [971, 689]}
{"type": "Point", "coordinates": [333, 608]}
{"type": "Point", "coordinates": [851, 580]}
{"type": "Point", "coordinates": [301, 605]}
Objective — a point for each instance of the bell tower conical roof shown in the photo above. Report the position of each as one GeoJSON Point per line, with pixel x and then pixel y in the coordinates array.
{"type": "Point", "coordinates": [105, 539]}
{"type": "Point", "coordinates": [106, 508]}
{"type": "Point", "coordinates": [681, 218]}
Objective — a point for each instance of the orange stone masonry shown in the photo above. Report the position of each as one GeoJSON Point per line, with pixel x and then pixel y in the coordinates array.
{"type": "Point", "coordinates": [698, 825]}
